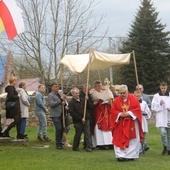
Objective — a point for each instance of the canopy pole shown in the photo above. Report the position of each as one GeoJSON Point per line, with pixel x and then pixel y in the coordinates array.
{"type": "Point", "coordinates": [136, 72]}
{"type": "Point", "coordinates": [61, 81]}
{"type": "Point", "coordinates": [88, 75]}
{"type": "Point", "coordinates": [99, 75]}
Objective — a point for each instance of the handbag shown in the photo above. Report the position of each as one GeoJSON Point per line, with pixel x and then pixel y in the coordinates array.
{"type": "Point", "coordinates": [68, 119]}
{"type": "Point", "coordinates": [10, 105]}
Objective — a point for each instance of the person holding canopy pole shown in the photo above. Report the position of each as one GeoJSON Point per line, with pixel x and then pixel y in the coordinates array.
{"type": "Point", "coordinates": [80, 120]}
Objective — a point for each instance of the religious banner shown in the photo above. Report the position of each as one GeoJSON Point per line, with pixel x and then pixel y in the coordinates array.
{"type": "Point", "coordinates": [10, 18]}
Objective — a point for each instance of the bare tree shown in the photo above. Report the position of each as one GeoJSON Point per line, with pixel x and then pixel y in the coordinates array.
{"type": "Point", "coordinates": [53, 28]}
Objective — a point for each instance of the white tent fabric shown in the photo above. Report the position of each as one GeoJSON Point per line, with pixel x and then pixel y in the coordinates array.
{"type": "Point", "coordinates": [98, 61]}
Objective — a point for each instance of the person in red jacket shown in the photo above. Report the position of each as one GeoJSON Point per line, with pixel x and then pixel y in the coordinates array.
{"type": "Point", "coordinates": [127, 129]}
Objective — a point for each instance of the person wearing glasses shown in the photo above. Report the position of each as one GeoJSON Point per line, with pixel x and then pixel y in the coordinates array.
{"type": "Point", "coordinates": [127, 130]}
{"type": "Point", "coordinates": [161, 105]}
{"type": "Point", "coordinates": [145, 97]}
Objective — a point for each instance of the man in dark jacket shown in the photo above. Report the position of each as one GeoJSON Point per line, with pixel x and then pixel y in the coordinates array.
{"type": "Point", "coordinates": [90, 103]}
{"type": "Point", "coordinates": [81, 124]}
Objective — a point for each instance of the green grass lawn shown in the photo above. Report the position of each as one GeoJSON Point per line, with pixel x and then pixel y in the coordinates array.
{"type": "Point", "coordinates": [30, 158]}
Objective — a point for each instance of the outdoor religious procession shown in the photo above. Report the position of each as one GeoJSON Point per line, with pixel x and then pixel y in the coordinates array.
{"type": "Point", "coordinates": [81, 90]}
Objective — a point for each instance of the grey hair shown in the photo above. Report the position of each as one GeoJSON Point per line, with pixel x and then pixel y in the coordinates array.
{"type": "Point", "coordinates": [97, 82]}
{"type": "Point", "coordinates": [123, 86]}
{"type": "Point", "coordinates": [139, 85]}
{"type": "Point", "coordinates": [86, 85]}
{"type": "Point", "coordinates": [75, 89]}
{"type": "Point", "coordinates": [112, 86]}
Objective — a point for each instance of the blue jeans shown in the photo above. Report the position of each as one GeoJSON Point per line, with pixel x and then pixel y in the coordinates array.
{"type": "Point", "coordinates": [57, 121]}
{"type": "Point", "coordinates": [23, 125]}
{"type": "Point", "coordinates": [42, 127]}
{"type": "Point", "coordinates": [165, 136]}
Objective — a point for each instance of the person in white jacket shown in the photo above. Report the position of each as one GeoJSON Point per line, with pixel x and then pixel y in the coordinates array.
{"type": "Point", "coordinates": [146, 114]}
{"type": "Point", "coordinates": [161, 106]}
{"type": "Point", "coordinates": [24, 104]}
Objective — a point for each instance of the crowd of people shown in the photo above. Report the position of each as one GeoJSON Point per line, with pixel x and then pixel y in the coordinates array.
{"type": "Point", "coordinates": [107, 119]}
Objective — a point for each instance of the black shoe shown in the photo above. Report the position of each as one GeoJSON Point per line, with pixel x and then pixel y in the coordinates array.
{"type": "Point", "coordinates": [146, 148]}
{"type": "Point", "coordinates": [21, 136]}
{"type": "Point", "coordinates": [76, 149]}
{"type": "Point", "coordinates": [59, 147]}
{"type": "Point", "coordinates": [5, 134]}
{"type": "Point", "coordinates": [110, 147]}
{"type": "Point", "coordinates": [102, 147]}
{"type": "Point", "coordinates": [129, 159]}
{"type": "Point", "coordinates": [120, 159]}
{"type": "Point", "coordinates": [89, 150]}
{"type": "Point", "coordinates": [164, 152]}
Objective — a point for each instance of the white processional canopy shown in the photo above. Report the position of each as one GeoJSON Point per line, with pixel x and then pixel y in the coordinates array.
{"type": "Point", "coordinates": [97, 60]}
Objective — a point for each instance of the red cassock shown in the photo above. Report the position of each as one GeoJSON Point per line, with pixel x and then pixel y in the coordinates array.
{"type": "Point", "coordinates": [102, 116]}
{"type": "Point", "coordinates": [124, 129]}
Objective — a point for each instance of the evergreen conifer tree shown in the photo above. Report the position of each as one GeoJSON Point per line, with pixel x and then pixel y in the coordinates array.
{"type": "Point", "coordinates": [152, 50]}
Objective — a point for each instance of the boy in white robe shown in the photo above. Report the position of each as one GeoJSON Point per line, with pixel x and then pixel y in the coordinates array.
{"type": "Point", "coordinates": [146, 114]}
{"type": "Point", "coordinates": [161, 105]}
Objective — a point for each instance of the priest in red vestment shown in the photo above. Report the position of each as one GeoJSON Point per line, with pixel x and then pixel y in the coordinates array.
{"type": "Point", "coordinates": [102, 131]}
{"type": "Point", "coordinates": [127, 129]}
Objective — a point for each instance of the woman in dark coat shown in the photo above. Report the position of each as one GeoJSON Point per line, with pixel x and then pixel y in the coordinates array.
{"type": "Point", "coordinates": [14, 112]}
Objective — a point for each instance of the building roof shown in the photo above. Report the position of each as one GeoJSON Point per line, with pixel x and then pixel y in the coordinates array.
{"type": "Point", "coordinates": [31, 86]}
{"type": "Point", "coordinates": [3, 60]}
{"type": "Point", "coordinates": [31, 83]}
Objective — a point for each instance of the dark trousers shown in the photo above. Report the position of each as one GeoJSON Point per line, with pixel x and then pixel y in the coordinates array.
{"type": "Point", "coordinates": [57, 121]}
{"type": "Point", "coordinates": [0, 124]}
{"type": "Point", "coordinates": [79, 129]}
{"type": "Point", "coordinates": [17, 122]}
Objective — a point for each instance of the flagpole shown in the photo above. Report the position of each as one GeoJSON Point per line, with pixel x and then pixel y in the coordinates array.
{"type": "Point", "coordinates": [99, 75]}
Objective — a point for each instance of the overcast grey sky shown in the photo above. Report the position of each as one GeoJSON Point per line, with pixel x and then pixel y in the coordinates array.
{"type": "Point", "coordinates": [120, 14]}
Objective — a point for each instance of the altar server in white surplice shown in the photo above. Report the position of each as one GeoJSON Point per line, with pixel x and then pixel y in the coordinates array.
{"type": "Point", "coordinates": [161, 105]}
{"type": "Point", "coordinates": [146, 114]}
